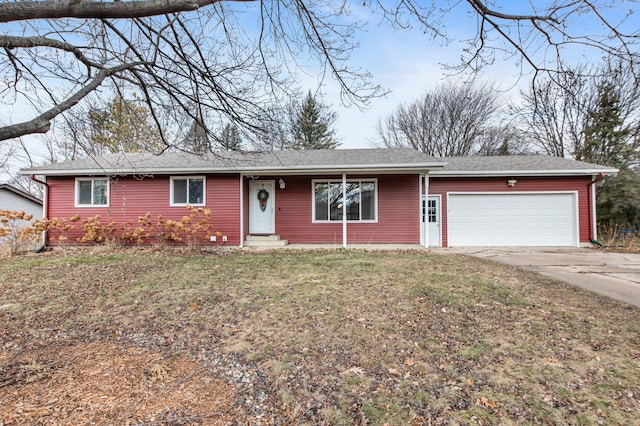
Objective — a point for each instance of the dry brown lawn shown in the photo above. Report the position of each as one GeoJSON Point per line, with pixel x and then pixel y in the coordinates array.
{"type": "Point", "coordinates": [307, 337]}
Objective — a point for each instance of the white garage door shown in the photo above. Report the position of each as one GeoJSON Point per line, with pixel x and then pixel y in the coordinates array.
{"type": "Point", "coordinates": [512, 220]}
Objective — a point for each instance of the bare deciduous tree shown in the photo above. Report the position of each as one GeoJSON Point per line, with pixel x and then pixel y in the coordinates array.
{"type": "Point", "coordinates": [501, 139]}
{"type": "Point", "coordinates": [594, 119]}
{"type": "Point", "coordinates": [449, 121]}
{"type": "Point", "coordinates": [555, 113]}
{"type": "Point", "coordinates": [182, 53]}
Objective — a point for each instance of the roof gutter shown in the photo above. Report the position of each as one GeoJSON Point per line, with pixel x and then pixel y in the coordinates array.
{"type": "Point", "coordinates": [489, 173]}
{"type": "Point", "coordinates": [275, 170]}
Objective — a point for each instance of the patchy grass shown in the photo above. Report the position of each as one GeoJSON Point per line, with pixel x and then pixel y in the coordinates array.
{"type": "Point", "coordinates": [348, 337]}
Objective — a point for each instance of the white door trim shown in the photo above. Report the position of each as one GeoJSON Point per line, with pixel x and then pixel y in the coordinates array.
{"type": "Point", "coordinates": [576, 212]}
{"type": "Point", "coordinates": [254, 204]}
{"type": "Point", "coordinates": [439, 214]}
{"type": "Point", "coordinates": [424, 220]}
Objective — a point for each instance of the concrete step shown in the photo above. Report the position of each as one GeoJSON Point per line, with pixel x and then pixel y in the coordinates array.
{"type": "Point", "coordinates": [262, 238]}
{"type": "Point", "coordinates": [264, 241]}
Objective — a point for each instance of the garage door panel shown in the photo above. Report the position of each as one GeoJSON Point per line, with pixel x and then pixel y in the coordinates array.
{"type": "Point", "coordinates": [512, 219]}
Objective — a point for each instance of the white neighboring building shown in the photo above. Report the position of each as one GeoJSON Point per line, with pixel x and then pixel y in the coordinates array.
{"type": "Point", "coordinates": [14, 199]}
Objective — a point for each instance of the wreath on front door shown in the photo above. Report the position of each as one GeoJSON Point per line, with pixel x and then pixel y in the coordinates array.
{"type": "Point", "coordinates": [263, 196]}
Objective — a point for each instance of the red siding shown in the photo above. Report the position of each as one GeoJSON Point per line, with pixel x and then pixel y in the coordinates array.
{"type": "Point", "coordinates": [131, 198]}
{"type": "Point", "coordinates": [442, 185]}
{"type": "Point", "coordinates": [245, 212]}
{"type": "Point", "coordinates": [398, 213]}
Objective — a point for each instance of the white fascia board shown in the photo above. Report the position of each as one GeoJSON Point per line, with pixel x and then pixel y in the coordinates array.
{"type": "Point", "coordinates": [586, 172]}
{"type": "Point", "coordinates": [303, 169]}
{"type": "Point", "coordinates": [337, 170]}
{"type": "Point", "coordinates": [88, 172]}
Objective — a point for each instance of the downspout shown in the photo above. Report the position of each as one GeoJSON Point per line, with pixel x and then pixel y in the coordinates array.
{"type": "Point", "coordinates": [45, 208]}
{"type": "Point", "coordinates": [594, 223]}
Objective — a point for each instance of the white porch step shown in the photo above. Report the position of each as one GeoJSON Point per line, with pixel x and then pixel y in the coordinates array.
{"type": "Point", "coordinates": [264, 241]}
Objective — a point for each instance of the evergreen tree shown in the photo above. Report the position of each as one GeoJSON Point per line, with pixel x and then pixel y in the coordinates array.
{"type": "Point", "coordinates": [618, 200]}
{"type": "Point", "coordinates": [311, 127]}
{"type": "Point", "coordinates": [606, 138]}
{"type": "Point", "coordinates": [124, 126]}
{"type": "Point", "coordinates": [230, 138]}
{"type": "Point", "coordinates": [607, 141]}
{"type": "Point", "coordinates": [196, 139]}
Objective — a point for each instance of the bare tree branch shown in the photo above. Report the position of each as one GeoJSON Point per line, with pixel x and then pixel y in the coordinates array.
{"type": "Point", "coordinates": [449, 121]}
{"type": "Point", "coordinates": [54, 9]}
{"type": "Point", "coordinates": [483, 10]}
{"type": "Point", "coordinates": [42, 123]}
{"type": "Point", "coordinates": [554, 113]}
{"type": "Point", "coordinates": [206, 60]}
{"type": "Point", "coordinates": [13, 42]}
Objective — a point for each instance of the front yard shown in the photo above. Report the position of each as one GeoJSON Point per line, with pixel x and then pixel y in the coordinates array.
{"type": "Point", "coordinates": [307, 337]}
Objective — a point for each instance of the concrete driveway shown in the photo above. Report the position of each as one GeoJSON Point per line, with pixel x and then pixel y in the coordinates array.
{"type": "Point", "coordinates": [616, 275]}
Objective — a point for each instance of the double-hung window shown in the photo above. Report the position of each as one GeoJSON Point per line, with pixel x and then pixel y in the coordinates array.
{"type": "Point", "coordinates": [92, 192]}
{"type": "Point", "coordinates": [357, 201]}
{"type": "Point", "coordinates": [188, 191]}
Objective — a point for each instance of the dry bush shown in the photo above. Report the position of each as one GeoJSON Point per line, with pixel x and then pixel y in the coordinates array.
{"type": "Point", "coordinates": [57, 227]}
{"type": "Point", "coordinates": [14, 235]}
{"type": "Point", "coordinates": [192, 230]}
{"type": "Point", "coordinates": [619, 237]}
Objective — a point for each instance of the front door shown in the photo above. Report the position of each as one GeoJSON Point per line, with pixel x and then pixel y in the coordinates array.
{"type": "Point", "coordinates": [431, 215]}
{"type": "Point", "coordinates": [261, 207]}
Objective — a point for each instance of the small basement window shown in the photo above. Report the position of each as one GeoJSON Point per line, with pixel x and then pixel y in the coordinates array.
{"type": "Point", "coordinates": [92, 192]}
{"type": "Point", "coordinates": [188, 191]}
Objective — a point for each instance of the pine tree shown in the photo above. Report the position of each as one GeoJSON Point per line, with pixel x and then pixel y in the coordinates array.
{"type": "Point", "coordinates": [230, 138]}
{"type": "Point", "coordinates": [124, 126]}
{"type": "Point", "coordinates": [606, 139]}
{"type": "Point", "coordinates": [196, 139]}
{"type": "Point", "coordinates": [312, 126]}
{"type": "Point", "coordinates": [618, 200]}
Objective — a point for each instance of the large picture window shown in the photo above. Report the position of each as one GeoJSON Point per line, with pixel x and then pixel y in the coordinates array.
{"type": "Point", "coordinates": [92, 192]}
{"type": "Point", "coordinates": [358, 201]}
{"type": "Point", "coordinates": [188, 191]}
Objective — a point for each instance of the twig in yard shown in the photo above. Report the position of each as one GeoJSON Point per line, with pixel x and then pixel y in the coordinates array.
{"type": "Point", "coordinates": [315, 406]}
{"type": "Point", "coordinates": [254, 366]}
{"type": "Point", "coordinates": [259, 373]}
{"type": "Point", "coordinates": [184, 379]}
{"type": "Point", "coordinates": [181, 419]}
{"type": "Point", "coordinates": [7, 382]}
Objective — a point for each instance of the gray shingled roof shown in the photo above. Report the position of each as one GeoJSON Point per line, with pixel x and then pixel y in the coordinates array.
{"type": "Point", "coordinates": [227, 161]}
{"type": "Point", "coordinates": [518, 164]}
{"type": "Point", "coordinates": [318, 161]}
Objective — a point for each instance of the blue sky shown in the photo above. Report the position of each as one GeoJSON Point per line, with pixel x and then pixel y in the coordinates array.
{"type": "Point", "coordinates": [409, 63]}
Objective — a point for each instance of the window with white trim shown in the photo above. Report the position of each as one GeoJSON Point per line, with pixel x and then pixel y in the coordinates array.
{"type": "Point", "coordinates": [92, 192]}
{"type": "Point", "coordinates": [432, 211]}
{"type": "Point", "coordinates": [188, 191]}
{"type": "Point", "coordinates": [358, 201]}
